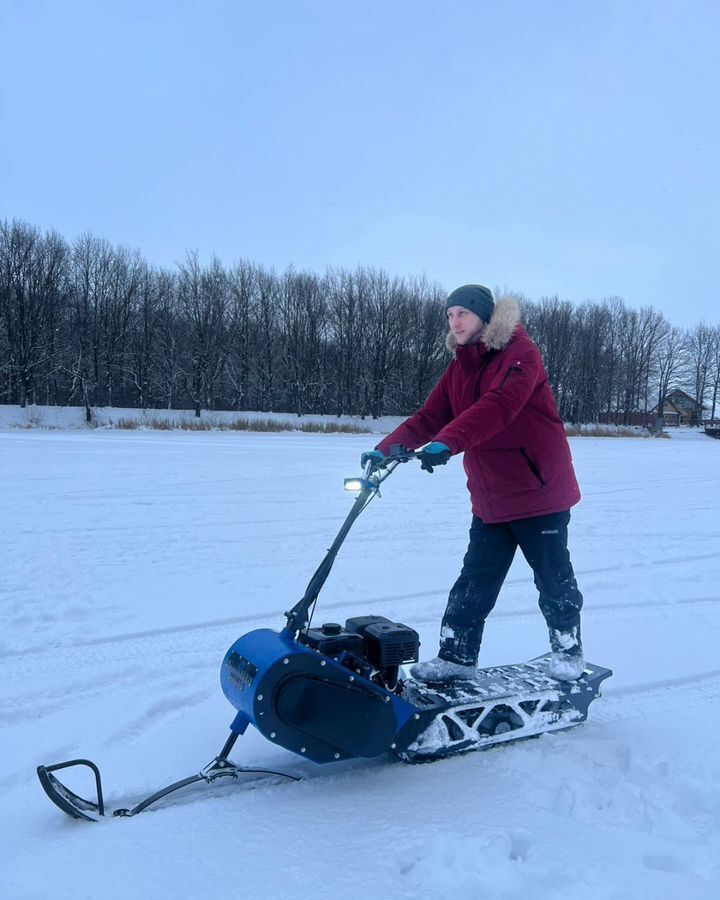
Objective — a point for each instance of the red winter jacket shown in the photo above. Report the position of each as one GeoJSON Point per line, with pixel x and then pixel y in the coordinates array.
{"type": "Point", "coordinates": [494, 403]}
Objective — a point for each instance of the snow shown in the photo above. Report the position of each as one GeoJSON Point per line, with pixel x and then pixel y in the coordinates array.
{"type": "Point", "coordinates": [132, 560]}
{"type": "Point", "coordinates": [108, 417]}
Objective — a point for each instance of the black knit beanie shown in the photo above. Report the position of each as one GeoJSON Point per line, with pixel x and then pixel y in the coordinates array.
{"type": "Point", "coordinates": [475, 297]}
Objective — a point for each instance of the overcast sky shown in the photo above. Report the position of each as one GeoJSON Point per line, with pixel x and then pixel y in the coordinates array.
{"type": "Point", "coordinates": [561, 147]}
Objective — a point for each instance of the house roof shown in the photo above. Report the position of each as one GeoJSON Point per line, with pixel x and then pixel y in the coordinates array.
{"type": "Point", "coordinates": [679, 394]}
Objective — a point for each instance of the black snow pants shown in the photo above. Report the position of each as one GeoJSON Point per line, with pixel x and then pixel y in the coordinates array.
{"type": "Point", "coordinates": [543, 541]}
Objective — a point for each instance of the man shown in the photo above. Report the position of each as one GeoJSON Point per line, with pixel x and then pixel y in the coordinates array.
{"type": "Point", "coordinates": [494, 404]}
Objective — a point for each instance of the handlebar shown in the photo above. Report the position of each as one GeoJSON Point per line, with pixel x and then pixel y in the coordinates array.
{"type": "Point", "coordinates": [368, 486]}
{"type": "Point", "coordinates": [398, 454]}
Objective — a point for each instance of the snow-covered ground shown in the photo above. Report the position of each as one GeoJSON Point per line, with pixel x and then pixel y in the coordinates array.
{"type": "Point", "coordinates": [132, 560]}
{"type": "Point", "coordinates": [47, 417]}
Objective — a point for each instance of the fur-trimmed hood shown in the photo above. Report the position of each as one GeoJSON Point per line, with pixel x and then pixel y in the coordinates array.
{"type": "Point", "coordinates": [501, 327]}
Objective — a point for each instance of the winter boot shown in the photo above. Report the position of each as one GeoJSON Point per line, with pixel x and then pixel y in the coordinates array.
{"type": "Point", "coordinates": [440, 671]}
{"type": "Point", "coordinates": [566, 662]}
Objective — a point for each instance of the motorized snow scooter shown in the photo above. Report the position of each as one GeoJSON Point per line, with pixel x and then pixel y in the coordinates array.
{"type": "Point", "coordinates": [338, 692]}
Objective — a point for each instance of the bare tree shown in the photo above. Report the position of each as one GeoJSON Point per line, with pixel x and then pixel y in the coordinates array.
{"type": "Point", "coordinates": [611, 376]}
{"type": "Point", "coordinates": [590, 363]}
{"type": "Point", "coordinates": [301, 315]}
{"type": "Point", "coordinates": [167, 373]}
{"type": "Point", "coordinates": [714, 377]}
{"type": "Point", "coordinates": [144, 334]}
{"type": "Point", "coordinates": [265, 371]}
{"type": "Point", "coordinates": [32, 287]}
{"type": "Point", "coordinates": [243, 287]}
{"type": "Point", "coordinates": [115, 316]}
{"type": "Point", "coordinates": [90, 280]}
{"type": "Point", "coordinates": [423, 342]}
{"type": "Point", "coordinates": [383, 329]}
{"type": "Point", "coordinates": [644, 330]}
{"type": "Point", "coordinates": [203, 298]}
{"type": "Point", "coordinates": [700, 357]}
{"type": "Point", "coordinates": [346, 308]}
{"type": "Point", "coordinates": [670, 359]}
{"type": "Point", "coordinates": [551, 323]}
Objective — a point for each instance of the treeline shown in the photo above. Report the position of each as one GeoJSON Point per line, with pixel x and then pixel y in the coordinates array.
{"type": "Point", "coordinates": [93, 324]}
{"type": "Point", "coordinates": [608, 362]}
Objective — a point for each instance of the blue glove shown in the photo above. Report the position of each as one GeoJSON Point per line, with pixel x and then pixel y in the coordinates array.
{"type": "Point", "coordinates": [373, 456]}
{"type": "Point", "coordinates": [435, 454]}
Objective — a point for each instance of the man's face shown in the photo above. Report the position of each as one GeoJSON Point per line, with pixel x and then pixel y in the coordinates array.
{"type": "Point", "coordinates": [464, 324]}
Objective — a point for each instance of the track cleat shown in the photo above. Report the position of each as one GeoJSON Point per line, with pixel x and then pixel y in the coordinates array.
{"type": "Point", "coordinates": [441, 671]}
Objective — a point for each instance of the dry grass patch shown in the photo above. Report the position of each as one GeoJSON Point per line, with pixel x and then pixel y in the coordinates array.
{"type": "Point", "coordinates": [334, 428]}
{"type": "Point", "coordinates": [243, 424]}
{"type": "Point", "coordinates": [276, 425]}
{"type": "Point", "coordinates": [612, 431]}
{"type": "Point", "coordinates": [239, 423]}
{"type": "Point", "coordinates": [194, 425]}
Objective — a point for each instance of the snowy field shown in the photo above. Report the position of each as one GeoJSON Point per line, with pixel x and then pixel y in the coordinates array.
{"type": "Point", "coordinates": [132, 560]}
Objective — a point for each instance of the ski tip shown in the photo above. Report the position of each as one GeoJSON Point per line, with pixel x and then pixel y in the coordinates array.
{"type": "Point", "coordinates": [68, 801]}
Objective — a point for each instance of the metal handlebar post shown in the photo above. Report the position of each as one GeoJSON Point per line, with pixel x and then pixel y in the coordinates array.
{"type": "Point", "coordinates": [298, 616]}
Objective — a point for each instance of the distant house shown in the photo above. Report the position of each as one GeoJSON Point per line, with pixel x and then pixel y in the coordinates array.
{"type": "Point", "coordinates": [680, 409]}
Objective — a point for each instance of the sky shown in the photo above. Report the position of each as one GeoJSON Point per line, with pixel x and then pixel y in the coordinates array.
{"type": "Point", "coordinates": [564, 147]}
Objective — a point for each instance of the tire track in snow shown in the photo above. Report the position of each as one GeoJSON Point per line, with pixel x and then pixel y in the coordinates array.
{"type": "Point", "coordinates": [171, 705]}
{"type": "Point", "coordinates": [646, 698]}
{"type": "Point", "coordinates": [214, 637]}
{"type": "Point", "coordinates": [353, 604]}
{"type": "Point", "coordinates": [149, 656]}
{"type": "Point", "coordinates": [33, 704]}
{"type": "Point", "coordinates": [164, 526]}
{"type": "Point", "coordinates": [36, 704]}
